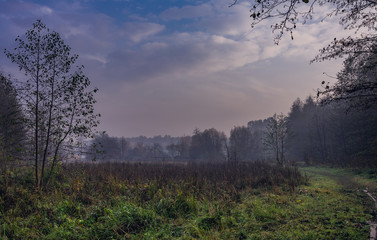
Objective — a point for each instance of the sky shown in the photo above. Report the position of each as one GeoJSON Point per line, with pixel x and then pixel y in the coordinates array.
{"type": "Point", "coordinates": [170, 66]}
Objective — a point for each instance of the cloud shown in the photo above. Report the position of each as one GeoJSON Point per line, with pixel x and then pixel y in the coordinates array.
{"type": "Point", "coordinates": [185, 67]}
{"type": "Point", "coordinates": [215, 17]}
{"type": "Point", "coordinates": [46, 10]}
{"type": "Point", "coordinates": [312, 37]}
{"type": "Point", "coordinates": [218, 99]}
{"type": "Point", "coordinates": [176, 13]}
{"type": "Point", "coordinates": [181, 54]}
{"type": "Point", "coordinates": [138, 31]}
{"type": "Point", "coordinates": [232, 21]}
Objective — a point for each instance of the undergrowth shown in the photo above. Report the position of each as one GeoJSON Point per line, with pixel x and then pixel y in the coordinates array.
{"type": "Point", "coordinates": [177, 201]}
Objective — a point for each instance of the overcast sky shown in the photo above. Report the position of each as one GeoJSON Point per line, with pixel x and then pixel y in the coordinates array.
{"type": "Point", "coordinates": [170, 66]}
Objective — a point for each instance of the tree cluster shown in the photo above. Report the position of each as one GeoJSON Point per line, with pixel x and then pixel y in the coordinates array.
{"type": "Point", "coordinates": [12, 125]}
{"type": "Point", "coordinates": [329, 134]}
{"type": "Point", "coordinates": [246, 143]}
{"type": "Point", "coordinates": [106, 148]}
{"type": "Point", "coordinates": [208, 145]}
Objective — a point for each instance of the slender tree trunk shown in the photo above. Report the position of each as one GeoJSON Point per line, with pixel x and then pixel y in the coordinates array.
{"type": "Point", "coordinates": [55, 158]}
{"type": "Point", "coordinates": [48, 127]}
{"type": "Point", "coordinates": [282, 149]}
{"type": "Point", "coordinates": [277, 143]}
{"type": "Point", "coordinates": [324, 143]}
{"type": "Point", "coordinates": [37, 115]}
{"type": "Point", "coordinates": [227, 152]}
{"type": "Point", "coordinates": [2, 155]}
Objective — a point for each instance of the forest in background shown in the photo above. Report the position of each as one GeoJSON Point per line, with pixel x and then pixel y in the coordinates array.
{"type": "Point", "coordinates": [335, 134]}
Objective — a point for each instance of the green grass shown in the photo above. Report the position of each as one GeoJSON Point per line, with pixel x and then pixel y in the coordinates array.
{"type": "Point", "coordinates": [101, 202]}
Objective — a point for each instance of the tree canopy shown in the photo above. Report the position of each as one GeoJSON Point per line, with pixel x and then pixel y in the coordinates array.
{"type": "Point", "coordinates": [358, 15]}
{"type": "Point", "coordinates": [356, 78]}
{"type": "Point", "coordinates": [357, 81]}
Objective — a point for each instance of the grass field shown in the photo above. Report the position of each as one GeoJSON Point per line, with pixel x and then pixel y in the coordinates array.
{"type": "Point", "coordinates": [203, 201]}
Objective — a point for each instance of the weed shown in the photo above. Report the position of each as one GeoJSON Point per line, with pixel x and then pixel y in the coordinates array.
{"type": "Point", "coordinates": [194, 201]}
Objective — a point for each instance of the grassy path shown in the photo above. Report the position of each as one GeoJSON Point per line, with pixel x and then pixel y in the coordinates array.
{"type": "Point", "coordinates": [354, 182]}
{"type": "Point", "coordinates": [344, 177]}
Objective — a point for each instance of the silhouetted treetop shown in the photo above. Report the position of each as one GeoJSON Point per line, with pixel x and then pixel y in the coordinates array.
{"type": "Point", "coordinates": [358, 15]}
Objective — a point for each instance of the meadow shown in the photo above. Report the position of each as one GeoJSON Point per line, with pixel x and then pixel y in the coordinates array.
{"type": "Point", "coordinates": [193, 201]}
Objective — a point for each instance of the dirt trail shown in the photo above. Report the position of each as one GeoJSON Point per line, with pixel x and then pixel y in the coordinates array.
{"type": "Point", "coordinates": [349, 183]}
{"type": "Point", "coordinates": [373, 225]}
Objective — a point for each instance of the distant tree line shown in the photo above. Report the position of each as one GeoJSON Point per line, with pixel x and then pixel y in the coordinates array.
{"type": "Point", "coordinates": [209, 145]}
{"type": "Point", "coordinates": [106, 148]}
{"type": "Point", "coordinates": [337, 127]}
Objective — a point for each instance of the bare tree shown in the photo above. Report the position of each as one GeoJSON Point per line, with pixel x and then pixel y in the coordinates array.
{"type": "Point", "coordinates": [276, 137]}
{"type": "Point", "coordinates": [359, 15]}
{"type": "Point", "coordinates": [58, 103]}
